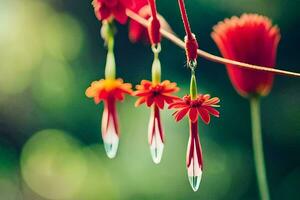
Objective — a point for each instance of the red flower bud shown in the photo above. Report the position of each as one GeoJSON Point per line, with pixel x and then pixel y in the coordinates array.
{"type": "Point", "coordinates": [252, 39]}
{"type": "Point", "coordinates": [137, 32]}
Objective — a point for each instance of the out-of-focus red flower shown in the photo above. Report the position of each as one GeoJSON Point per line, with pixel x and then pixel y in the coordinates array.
{"type": "Point", "coordinates": [203, 106]}
{"type": "Point", "coordinates": [105, 9]}
{"type": "Point", "coordinates": [253, 39]}
{"type": "Point", "coordinates": [157, 94]}
{"type": "Point", "coordinates": [109, 91]}
{"type": "Point", "coordinates": [138, 32]}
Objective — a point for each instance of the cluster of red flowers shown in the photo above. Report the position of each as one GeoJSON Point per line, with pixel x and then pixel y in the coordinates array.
{"type": "Point", "coordinates": [250, 38]}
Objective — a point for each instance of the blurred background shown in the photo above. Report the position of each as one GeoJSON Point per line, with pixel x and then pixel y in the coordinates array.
{"type": "Point", "coordinates": [50, 144]}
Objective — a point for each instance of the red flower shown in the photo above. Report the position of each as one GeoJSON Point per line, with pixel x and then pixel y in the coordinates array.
{"type": "Point", "coordinates": [251, 39]}
{"type": "Point", "coordinates": [105, 89]}
{"type": "Point", "coordinates": [137, 32]}
{"type": "Point", "coordinates": [157, 94]}
{"type": "Point", "coordinates": [203, 106]}
{"type": "Point", "coordinates": [109, 91]}
{"type": "Point", "coordinates": [105, 9]}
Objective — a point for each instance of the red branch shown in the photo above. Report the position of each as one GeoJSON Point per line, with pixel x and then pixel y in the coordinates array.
{"type": "Point", "coordinates": [208, 56]}
{"type": "Point", "coordinates": [153, 8]}
{"type": "Point", "coordinates": [185, 20]}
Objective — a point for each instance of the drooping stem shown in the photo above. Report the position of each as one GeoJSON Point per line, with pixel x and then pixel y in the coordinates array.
{"type": "Point", "coordinates": [185, 19]}
{"type": "Point", "coordinates": [258, 149]}
{"type": "Point", "coordinates": [177, 41]}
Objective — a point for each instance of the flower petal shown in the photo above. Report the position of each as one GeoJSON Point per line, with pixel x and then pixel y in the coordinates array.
{"type": "Point", "coordinates": [180, 114]}
{"type": "Point", "coordinates": [193, 114]}
{"type": "Point", "coordinates": [204, 115]}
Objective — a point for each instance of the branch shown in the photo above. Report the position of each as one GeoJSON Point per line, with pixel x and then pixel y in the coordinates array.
{"type": "Point", "coordinates": [208, 56]}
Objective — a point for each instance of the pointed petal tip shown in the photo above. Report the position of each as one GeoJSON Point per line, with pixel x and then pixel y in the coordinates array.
{"type": "Point", "coordinates": [156, 153]}
{"type": "Point", "coordinates": [195, 182]}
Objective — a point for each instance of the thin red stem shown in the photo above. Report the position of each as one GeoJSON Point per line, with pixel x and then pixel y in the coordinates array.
{"type": "Point", "coordinates": [153, 8]}
{"type": "Point", "coordinates": [185, 19]}
{"type": "Point", "coordinates": [208, 56]}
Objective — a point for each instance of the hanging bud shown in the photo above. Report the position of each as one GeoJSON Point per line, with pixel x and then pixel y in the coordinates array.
{"type": "Point", "coordinates": [191, 47]}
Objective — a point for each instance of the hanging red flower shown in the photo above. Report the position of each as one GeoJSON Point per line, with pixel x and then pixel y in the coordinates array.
{"type": "Point", "coordinates": [109, 91]}
{"type": "Point", "coordinates": [202, 106]}
{"type": "Point", "coordinates": [105, 9]}
{"type": "Point", "coordinates": [138, 32]}
{"type": "Point", "coordinates": [252, 39]}
{"type": "Point", "coordinates": [155, 95]}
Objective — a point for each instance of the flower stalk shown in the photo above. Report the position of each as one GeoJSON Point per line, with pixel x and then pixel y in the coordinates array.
{"type": "Point", "coordinates": [107, 33]}
{"type": "Point", "coordinates": [177, 41]}
{"type": "Point", "coordinates": [258, 149]}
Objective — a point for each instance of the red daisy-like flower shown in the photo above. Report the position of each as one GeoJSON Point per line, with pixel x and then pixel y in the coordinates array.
{"type": "Point", "coordinates": [158, 94]}
{"type": "Point", "coordinates": [104, 89]}
{"type": "Point", "coordinates": [105, 9]}
{"type": "Point", "coordinates": [202, 106]}
{"type": "Point", "coordinates": [109, 91]}
{"type": "Point", "coordinates": [253, 39]}
{"type": "Point", "coordinates": [137, 32]}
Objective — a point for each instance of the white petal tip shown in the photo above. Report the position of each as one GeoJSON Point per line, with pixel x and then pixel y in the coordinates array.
{"type": "Point", "coordinates": [195, 182]}
{"type": "Point", "coordinates": [111, 149]}
{"type": "Point", "coordinates": [156, 153]}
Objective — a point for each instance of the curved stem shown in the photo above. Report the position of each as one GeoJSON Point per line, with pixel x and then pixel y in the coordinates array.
{"type": "Point", "coordinates": [185, 19]}
{"type": "Point", "coordinates": [258, 149]}
{"type": "Point", "coordinates": [208, 56]}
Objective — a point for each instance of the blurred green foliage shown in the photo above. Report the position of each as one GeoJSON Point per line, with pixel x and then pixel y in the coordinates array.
{"type": "Point", "coordinates": [50, 146]}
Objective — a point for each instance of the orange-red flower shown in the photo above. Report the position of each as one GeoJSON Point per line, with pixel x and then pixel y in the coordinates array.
{"type": "Point", "coordinates": [252, 39]}
{"type": "Point", "coordinates": [109, 91]}
{"type": "Point", "coordinates": [105, 9]}
{"type": "Point", "coordinates": [202, 106]}
{"type": "Point", "coordinates": [156, 93]}
{"type": "Point", "coordinates": [137, 32]}
{"type": "Point", "coordinates": [105, 88]}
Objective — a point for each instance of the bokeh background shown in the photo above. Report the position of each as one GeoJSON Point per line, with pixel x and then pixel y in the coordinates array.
{"type": "Point", "coordinates": [50, 144]}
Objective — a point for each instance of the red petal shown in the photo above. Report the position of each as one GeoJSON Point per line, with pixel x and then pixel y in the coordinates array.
{"type": "Point", "coordinates": [140, 101]}
{"type": "Point", "coordinates": [204, 115]}
{"type": "Point", "coordinates": [180, 114]}
{"type": "Point", "coordinates": [193, 114]}
{"type": "Point", "coordinates": [212, 111]}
